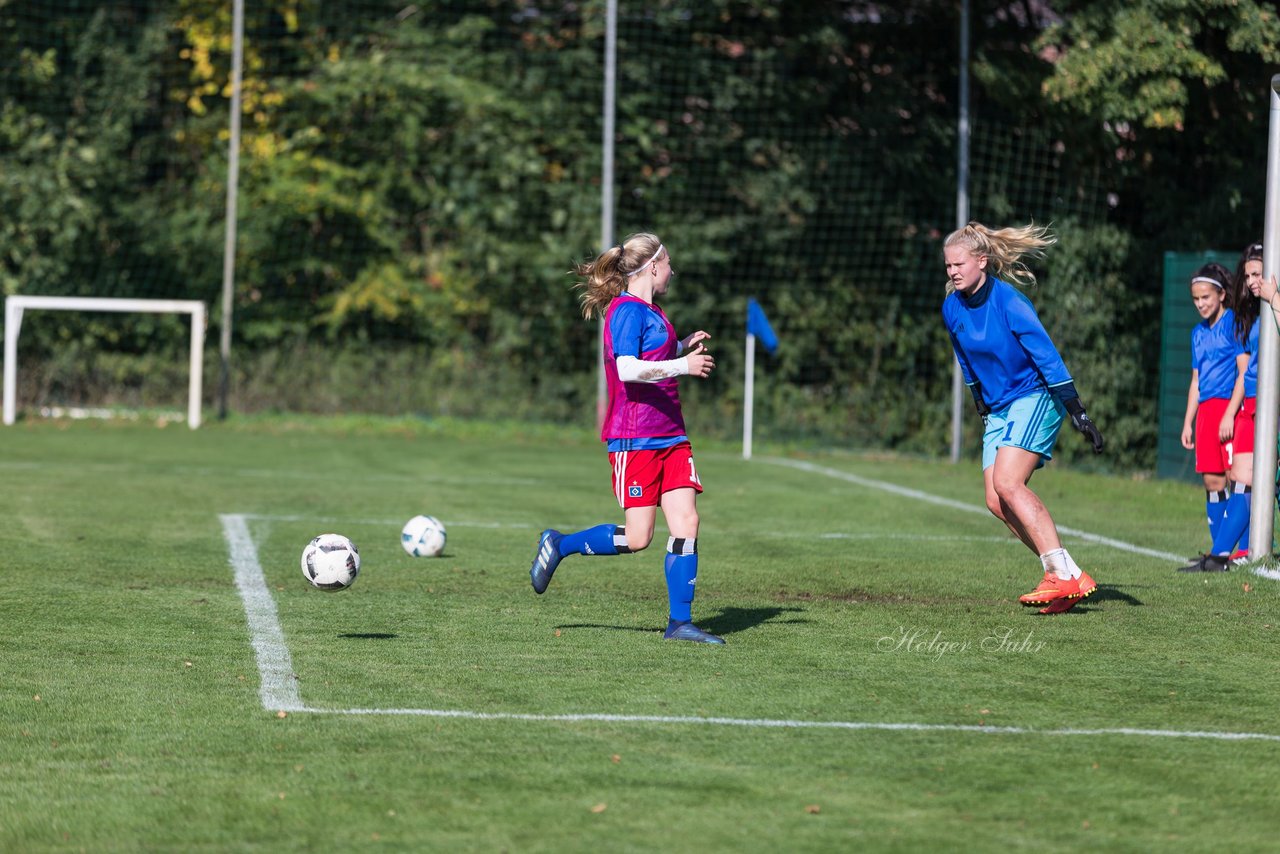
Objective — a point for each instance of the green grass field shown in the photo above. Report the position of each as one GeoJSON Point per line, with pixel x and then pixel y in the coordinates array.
{"type": "Point", "coordinates": [132, 701]}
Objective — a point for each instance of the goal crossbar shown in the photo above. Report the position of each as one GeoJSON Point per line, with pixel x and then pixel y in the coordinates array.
{"type": "Point", "coordinates": [14, 307]}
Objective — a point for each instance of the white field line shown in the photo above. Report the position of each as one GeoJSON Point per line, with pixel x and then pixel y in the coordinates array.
{"type": "Point", "coordinates": [279, 689]}
{"type": "Point", "coordinates": [347, 520]}
{"type": "Point", "coordinates": [527, 526]}
{"type": "Point", "coordinates": [768, 723]}
{"type": "Point", "coordinates": [918, 495]}
{"type": "Point", "coordinates": [905, 492]}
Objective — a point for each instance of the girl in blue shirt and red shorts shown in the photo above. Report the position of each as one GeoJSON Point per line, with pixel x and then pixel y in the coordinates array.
{"type": "Point", "coordinates": [1231, 537]}
{"type": "Point", "coordinates": [1218, 365]}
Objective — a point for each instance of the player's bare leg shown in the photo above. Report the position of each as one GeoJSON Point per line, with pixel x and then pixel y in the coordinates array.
{"type": "Point", "coordinates": [1011, 500]}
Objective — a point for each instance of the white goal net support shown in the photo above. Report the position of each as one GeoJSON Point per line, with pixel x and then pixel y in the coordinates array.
{"type": "Point", "coordinates": [14, 307]}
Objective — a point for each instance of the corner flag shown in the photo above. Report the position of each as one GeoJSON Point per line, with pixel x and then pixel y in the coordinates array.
{"type": "Point", "coordinates": [758, 329]}
{"type": "Point", "coordinates": [758, 325]}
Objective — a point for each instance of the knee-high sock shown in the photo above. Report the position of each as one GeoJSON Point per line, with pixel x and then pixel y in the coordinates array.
{"type": "Point", "coordinates": [1235, 521]}
{"type": "Point", "coordinates": [600, 540]}
{"type": "Point", "coordinates": [1215, 506]}
{"type": "Point", "coordinates": [682, 576]}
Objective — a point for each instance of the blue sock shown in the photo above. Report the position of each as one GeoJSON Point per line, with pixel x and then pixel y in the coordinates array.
{"type": "Point", "coordinates": [1215, 506]}
{"type": "Point", "coordinates": [1234, 521]}
{"type": "Point", "coordinates": [1248, 516]}
{"type": "Point", "coordinates": [600, 540]}
{"type": "Point", "coordinates": [682, 575]}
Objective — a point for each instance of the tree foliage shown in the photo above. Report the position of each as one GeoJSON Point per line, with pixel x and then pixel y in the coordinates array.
{"type": "Point", "coordinates": [416, 179]}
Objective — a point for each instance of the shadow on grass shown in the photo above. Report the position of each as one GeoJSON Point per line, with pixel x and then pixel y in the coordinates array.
{"type": "Point", "coordinates": [1112, 593]}
{"type": "Point", "coordinates": [732, 620]}
{"type": "Point", "coordinates": [1103, 594]}
{"type": "Point", "coordinates": [727, 622]}
{"type": "Point", "coordinates": [369, 635]}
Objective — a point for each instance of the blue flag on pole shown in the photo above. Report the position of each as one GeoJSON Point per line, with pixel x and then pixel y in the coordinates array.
{"type": "Point", "coordinates": [758, 325]}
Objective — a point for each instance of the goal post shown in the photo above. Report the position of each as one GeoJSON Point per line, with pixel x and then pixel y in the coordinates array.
{"type": "Point", "coordinates": [1262, 514]}
{"type": "Point", "coordinates": [14, 307]}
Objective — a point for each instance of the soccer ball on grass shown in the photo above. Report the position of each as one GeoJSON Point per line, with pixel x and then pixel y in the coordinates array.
{"type": "Point", "coordinates": [331, 562]}
{"type": "Point", "coordinates": [423, 536]}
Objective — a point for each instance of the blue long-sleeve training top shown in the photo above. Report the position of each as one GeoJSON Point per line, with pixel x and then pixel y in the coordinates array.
{"type": "Point", "coordinates": [1001, 343]}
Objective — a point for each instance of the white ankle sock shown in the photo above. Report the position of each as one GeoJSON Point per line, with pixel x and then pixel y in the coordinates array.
{"type": "Point", "coordinates": [1058, 562]}
{"type": "Point", "coordinates": [1076, 571]}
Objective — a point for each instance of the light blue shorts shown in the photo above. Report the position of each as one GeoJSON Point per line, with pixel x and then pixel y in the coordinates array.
{"type": "Point", "coordinates": [1031, 423]}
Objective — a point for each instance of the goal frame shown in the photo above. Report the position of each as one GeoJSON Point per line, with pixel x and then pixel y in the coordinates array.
{"type": "Point", "coordinates": [15, 306]}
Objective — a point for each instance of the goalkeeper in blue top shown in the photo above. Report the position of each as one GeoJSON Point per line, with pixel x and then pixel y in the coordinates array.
{"type": "Point", "coordinates": [1021, 387]}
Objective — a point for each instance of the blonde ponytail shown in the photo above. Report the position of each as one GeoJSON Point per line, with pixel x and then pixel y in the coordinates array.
{"type": "Point", "coordinates": [605, 277]}
{"type": "Point", "coordinates": [1005, 248]}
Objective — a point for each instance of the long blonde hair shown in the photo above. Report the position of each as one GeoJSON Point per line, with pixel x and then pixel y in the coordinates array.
{"type": "Point", "coordinates": [606, 276]}
{"type": "Point", "coordinates": [1005, 248]}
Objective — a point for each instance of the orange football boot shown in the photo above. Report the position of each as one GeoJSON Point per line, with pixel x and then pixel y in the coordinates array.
{"type": "Point", "coordinates": [1053, 588]}
{"type": "Point", "coordinates": [1085, 585]}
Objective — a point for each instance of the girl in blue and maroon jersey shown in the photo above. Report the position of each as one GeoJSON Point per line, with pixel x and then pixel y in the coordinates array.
{"type": "Point", "coordinates": [643, 428]}
{"type": "Point", "coordinates": [1218, 365]}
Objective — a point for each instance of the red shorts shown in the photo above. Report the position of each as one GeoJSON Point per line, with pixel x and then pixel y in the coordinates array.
{"type": "Point", "coordinates": [1242, 441]}
{"type": "Point", "coordinates": [641, 477]}
{"type": "Point", "coordinates": [1212, 454]}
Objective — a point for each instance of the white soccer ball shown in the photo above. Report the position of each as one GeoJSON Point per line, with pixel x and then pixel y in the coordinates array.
{"type": "Point", "coordinates": [331, 562]}
{"type": "Point", "coordinates": [423, 536]}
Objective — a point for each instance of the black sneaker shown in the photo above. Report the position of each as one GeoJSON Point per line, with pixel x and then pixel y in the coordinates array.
{"type": "Point", "coordinates": [1209, 563]}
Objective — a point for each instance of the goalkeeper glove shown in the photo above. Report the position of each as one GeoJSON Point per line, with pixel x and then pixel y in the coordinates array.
{"type": "Point", "coordinates": [1081, 421]}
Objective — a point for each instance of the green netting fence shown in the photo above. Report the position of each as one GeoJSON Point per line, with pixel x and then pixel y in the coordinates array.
{"type": "Point", "coordinates": [417, 179]}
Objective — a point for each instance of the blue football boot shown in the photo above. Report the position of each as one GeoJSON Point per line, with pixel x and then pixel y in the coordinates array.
{"type": "Point", "coordinates": [546, 560]}
{"type": "Point", "coordinates": [685, 630]}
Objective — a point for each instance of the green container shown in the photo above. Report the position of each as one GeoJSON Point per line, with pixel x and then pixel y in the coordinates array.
{"type": "Point", "coordinates": [1178, 318]}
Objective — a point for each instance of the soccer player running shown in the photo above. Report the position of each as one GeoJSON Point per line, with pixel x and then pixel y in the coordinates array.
{"type": "Point", "coordinates": [1233, 525]}
{"type": "Point", "coordinates": [1218, 364]}
{"type": "Point", "coordinates": [643, 427]}
{"type": "Point", "coordinates": [1022, 390]}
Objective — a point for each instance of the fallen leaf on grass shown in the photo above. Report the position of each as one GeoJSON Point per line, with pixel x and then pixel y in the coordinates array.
{"type": "Point", "coordinates": [615, 759]}
{"type": "Point", "coordinates": [1246, 587]}
{"type": "Point", "coordinates": [282, 714]}
{"type": "Point", "coordinates": [599, 808]}
{"type": "Point", "coordinates": [813, 809]}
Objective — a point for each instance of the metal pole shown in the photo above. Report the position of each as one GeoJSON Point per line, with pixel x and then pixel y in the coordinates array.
{"type": "Point", "coordinates": [195, 384]}
{"type": "Point", "coordinates": [1262, 517]}
{"type": "Point", "coordinates": [962, 217]}
{"type": "Point", "coordinates": [748, 396]}
{"type": "Point", "coordinates": [12, 325]}
{"type": "Point", "coordinates": [233, 180]}
{"type": "Point", "coordinates": [606, 173]}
